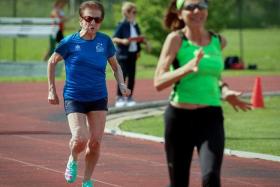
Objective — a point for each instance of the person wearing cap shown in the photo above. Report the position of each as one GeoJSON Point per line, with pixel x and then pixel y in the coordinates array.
{"type": "Point", "coordinates": [191, 61]}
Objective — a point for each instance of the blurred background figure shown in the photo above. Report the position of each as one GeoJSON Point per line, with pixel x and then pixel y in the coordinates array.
{"type": "Point", "coordinates": [127, 37]}
{"type": "Point", "coordinates": [57, 12]}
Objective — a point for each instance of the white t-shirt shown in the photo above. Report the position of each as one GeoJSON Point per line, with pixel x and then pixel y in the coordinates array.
{"type": "Point", "coordinates": [133, 33]}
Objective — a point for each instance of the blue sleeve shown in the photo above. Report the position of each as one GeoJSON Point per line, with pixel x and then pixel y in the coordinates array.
{"type": "Point", "coordinates": [111, 50]}
{"type": "Point", "coordinates": [62, 48]}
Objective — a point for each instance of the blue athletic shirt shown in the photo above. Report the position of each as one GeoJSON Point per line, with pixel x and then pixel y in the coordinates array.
{"type": "Point", "coordinates": [85, 66]}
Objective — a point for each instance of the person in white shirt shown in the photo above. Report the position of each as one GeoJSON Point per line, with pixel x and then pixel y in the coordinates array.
{"type": "Point", "coordinates": [128, 38]}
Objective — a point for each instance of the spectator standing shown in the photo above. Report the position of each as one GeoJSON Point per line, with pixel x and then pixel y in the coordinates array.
{"type": "Point", "coordinates": [128, 38]}
{"type": "Point", "coordinates": [57, 12]}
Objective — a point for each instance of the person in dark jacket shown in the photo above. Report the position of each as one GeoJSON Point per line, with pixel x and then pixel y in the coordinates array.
{"type": "Point", "coordinates": [128, 38]}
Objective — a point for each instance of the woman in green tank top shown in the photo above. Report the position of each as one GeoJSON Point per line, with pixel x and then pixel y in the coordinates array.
{"type": "Point", "coordinates": [191, 61]}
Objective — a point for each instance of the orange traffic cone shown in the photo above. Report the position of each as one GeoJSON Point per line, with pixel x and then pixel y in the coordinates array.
{"type": "Point", "coordinates": [257, 97]}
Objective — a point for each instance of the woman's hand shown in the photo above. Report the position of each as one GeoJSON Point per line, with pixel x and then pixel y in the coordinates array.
{"type": "Point", "coordinates": [125, 41]}
{"type": "Point", "coordinates": [198, 57]}
{"type": "Point", "coordinates": [192, 66]}
{"type": "Point", "coordinates": [53, 98]}
{"type": "Point", "coordinates": [237, 104]}
{"type": "Point", "coordinates": [124, 90]}
{"type": "Point", "coordinates": [231, 97]}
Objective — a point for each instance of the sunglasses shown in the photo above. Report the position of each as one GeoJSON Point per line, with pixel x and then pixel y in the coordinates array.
{"type": "Point", "coordinates": [89, 19]}
{"type": "Point", "coordinates": [132, 11]}
{"type": "Point", "coordinates": [192, 7]}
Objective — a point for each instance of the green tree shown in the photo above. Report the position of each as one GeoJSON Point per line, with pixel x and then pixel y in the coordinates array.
{"type": "Point", "coordinates": [151, 21]}
{"type": "Point", "coordinates": [222, 14]}
{"type": "Point", "coordinates": [219, 14]}
{"type": "Point", "coordinates": [151, 18]}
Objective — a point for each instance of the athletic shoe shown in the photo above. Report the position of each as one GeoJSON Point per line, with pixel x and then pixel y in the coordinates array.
{"type": "Point", "coordinates": [71, 171]}
{"type": "Point", "coordinates": [121, 101]}
{"type": "Point", "coordinates": [87, 184]}
{"type": "Point", "coordinates": [130, 102]}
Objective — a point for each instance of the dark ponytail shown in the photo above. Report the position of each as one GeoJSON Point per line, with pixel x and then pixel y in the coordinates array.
{"type": "Point", "coordinates": [171, 20]}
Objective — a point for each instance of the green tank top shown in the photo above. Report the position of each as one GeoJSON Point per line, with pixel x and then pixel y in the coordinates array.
{"type": "Point", "coordinates": [201, 87]}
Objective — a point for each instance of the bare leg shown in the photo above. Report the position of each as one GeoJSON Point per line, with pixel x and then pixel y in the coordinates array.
{"type": "Point", "coordinates": [78, 126]}
{"type": "Point", "coordinates": [96, 125]}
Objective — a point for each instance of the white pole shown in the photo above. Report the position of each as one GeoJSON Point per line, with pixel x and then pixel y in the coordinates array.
{"type": "Point", "coordinates": [72, 7]}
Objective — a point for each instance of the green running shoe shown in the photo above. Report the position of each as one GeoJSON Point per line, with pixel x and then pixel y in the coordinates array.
{"type": "Point", "coordinates": [71, 171]}
{"type": "Point", "coordinates": [87, 184]}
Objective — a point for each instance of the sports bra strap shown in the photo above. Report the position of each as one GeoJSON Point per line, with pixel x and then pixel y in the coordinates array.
{"type": "Point", "coordinates": [216, 35]}
{"type": "Point", "coordinates": [182, 35]}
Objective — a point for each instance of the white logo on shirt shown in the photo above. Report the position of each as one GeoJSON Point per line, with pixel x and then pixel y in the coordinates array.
{"type": "Point", "coordinates": [99, 48]}
{"type": "Point", "coordinates": [77, 48]}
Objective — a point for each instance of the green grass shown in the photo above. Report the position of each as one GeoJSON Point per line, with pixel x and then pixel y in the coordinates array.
{"type": "Point", "coordinates": [23, 79]}
{"type": "Point", "coordinates": [28, 79]}
{"type": "Point", "coordinates": [255, 131]}
{"type": "Point", "coordinates": [261, 47]}
{"type": "Point", "coordinates": [27, 49]}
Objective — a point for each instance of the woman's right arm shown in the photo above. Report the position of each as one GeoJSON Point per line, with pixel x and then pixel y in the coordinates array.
{"type": "Point", "coordinates": [52, 95]}
{"type": "Point", "coordinates": [120, 41]}
{"type": "Point", "coordinates": [118, 35]}
{"type": "Point", "coordinates": [163, 77]}
{"type": "Point", "coordinates": [119, 75]}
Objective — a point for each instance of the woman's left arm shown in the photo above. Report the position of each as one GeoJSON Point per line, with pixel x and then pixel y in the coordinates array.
{"type": "Point", "coordinates": [232, 96]}
{"type": "Point", "coordinates": [118, 75]}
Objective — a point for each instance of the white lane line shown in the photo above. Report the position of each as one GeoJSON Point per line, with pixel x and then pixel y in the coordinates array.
{"type": "Point", "coordinates": [40, 140]}
{"type": "Point", "coordinates": [51, 170]}
{"type": "Point", "coordinates": [108, 154]}
{"type": "Point", "coordinates": [143, 160]}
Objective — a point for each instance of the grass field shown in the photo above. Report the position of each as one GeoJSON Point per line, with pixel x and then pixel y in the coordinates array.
{"type": "Point", "coordinates": [261, 47]}
{"type": "Point", "coordinates": [255, 131]}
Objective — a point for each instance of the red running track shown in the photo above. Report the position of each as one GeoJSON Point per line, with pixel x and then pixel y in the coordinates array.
{"type": "Point", "coordinates": [34, 145]}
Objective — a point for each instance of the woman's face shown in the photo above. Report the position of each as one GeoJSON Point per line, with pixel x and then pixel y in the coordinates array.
{"type": "Point", "coordinates": [194, 13]}
{"type": "Point", "coordinates": [131, 14]}
{"type": "Point", "coordinates": [61, 4]}
{"type": "Point", "coordinates": [91, 20]}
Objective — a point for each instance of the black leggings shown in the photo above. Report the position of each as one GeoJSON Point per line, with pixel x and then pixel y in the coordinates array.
{"type": "Point", "coordinates": [201, 128]}
{"type": "Point", "coordinates": [128, 66]}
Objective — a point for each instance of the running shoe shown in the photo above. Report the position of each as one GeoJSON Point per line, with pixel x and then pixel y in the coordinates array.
{"type": "Point", "coordinates": [121, 101]}
{"type": "Point", "coordinates": [87, 184]}
{"type": "Point", "coordinates": [71, 171]}
{"type": "Point", "coordinates": [130, 101]}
